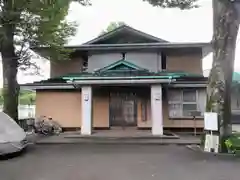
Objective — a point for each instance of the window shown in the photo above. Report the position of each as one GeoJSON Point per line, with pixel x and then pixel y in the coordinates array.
{"type": "Point", "coordinates": [85, 64]}
{"type": "Point", "coordinates": [164, 62]}
{"type": "Point", "coordinates": [182, 102]}
{"type": "Point", "coordinates": [123, 55]}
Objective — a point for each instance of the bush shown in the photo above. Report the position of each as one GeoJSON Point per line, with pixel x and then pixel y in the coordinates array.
{"type": "Point", "coordinates": [233, 143]}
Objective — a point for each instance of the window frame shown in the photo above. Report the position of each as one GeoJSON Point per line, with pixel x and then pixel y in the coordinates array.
{"type": "Point", "coordinates": [181, 103]}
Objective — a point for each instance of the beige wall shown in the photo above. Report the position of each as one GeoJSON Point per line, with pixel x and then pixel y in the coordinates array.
{"type": "Point", "coordinates": [100, 111]}
{"type": "Point", "coordinates": [60, 68]}
{"type": "Point", "coordinates": [191, 63]}
{"type": "Point", "coordinates": [64, 107]}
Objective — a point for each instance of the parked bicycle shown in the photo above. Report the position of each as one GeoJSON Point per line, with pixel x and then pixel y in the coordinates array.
{"type": "Point", "coordinates": [47, 126]}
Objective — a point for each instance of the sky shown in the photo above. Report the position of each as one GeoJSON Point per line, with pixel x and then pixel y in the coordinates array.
{"type": "Point", "coordinates": [173, 25]}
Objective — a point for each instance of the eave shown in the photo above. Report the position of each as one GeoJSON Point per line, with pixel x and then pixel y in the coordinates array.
{"type": "Point", "coordinates": [130, 46]}
{"type": "Point", "coordinates": [120, 47]}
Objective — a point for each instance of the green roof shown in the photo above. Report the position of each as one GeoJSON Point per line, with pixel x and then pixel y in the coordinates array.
{"type": "Point", "coordinates": [236, 77]}
{"type": "Point", "coordinates": [136, 75]}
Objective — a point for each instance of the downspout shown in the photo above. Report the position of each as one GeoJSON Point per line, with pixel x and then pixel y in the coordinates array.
{"type": "Point", "coordinates": [70, 81]}
{"type": "Point", "coordinates": [171, 80]}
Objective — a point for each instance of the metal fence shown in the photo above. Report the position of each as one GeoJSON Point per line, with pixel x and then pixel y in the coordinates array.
{"type": "Point", "coordinates": [24, 111]}
{"type": "Point", "coordinates": [26, 114]}
{"type": "Point", "coordinates": [26, 124]}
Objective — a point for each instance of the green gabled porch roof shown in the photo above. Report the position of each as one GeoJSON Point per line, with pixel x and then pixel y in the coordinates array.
{"type": "Point", "coordinates": [121, 65]}
{"type": "Point", "coordinates": [123, 69]}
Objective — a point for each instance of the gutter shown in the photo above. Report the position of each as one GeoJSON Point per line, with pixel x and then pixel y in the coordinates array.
{"type": "Point", "coordinates": [139, 45]}
{"type": "Point", "coordinates": [188, 85]}
{"type": "Point", "coordinates": [49, 86]}
{"type": "Point", "coordinates": [89, 47]}
{"type": "Point", "coordinates": [122, 81]}
{"type": "Point", "coordinates": [119, 78]}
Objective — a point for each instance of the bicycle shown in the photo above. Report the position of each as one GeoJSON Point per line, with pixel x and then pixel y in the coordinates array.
{"type": "Point", "coordinates": [47, 126]}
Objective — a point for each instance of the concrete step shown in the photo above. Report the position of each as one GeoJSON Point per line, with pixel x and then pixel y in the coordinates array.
{"type": "Point", "coordinates": [57, 140]}
{"type": "Point", "coordinates": [120, 137]}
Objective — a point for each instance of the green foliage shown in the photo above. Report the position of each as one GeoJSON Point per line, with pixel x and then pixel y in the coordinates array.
{"type": "Point", "coordinates": [233, 143]}
{"type": "Point", "coordinates": [37, 23]}
{"type": "Point", "coordinates": [229, 145]}
{"type": "Point", "coordinates": [25, 97]}
{"type": "Point", "coordinates": [25, 24]}
{"type": "Point", "coordinates": [112, 26]}
{"type": "Point", "coordinates": [182, 4]}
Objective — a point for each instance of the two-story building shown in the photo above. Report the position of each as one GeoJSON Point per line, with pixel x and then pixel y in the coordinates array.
{"type": "Point", "coordinates": [125, 78]}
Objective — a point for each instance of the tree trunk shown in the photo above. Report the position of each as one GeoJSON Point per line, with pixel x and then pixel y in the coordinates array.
{"type": "Point", "coordinates": [220, 79]}
{"type": "Point", "coordinates": [10, 68]}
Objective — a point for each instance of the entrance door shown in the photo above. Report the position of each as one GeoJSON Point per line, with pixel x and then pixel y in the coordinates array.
{"type": "Point", "coordinates": [123, 109]}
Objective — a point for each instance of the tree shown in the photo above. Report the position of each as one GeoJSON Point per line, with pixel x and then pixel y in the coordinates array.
{"type": "Point", "coordinates": [225, 28]}
{"type": "Point", "coordinates": [226, 25]}
{"type": "Point", "coordinates": [112, 26]}
{"type": "Point", "coordinates": [26, 23]}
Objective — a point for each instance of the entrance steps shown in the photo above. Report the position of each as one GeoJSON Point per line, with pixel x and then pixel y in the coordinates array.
{"type": "Point", "coordinates": [105, 138]}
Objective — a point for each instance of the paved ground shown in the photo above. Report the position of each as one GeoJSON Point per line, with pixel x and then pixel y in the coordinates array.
{"type": "Point", "coordinates": [117, 162]}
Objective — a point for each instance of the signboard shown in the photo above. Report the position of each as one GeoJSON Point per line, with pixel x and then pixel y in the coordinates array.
{"type": "Point", "coordinates": [86, 97]}
{"type": "Point", "coordinates": [158, 96]}
{"type": "Point", "coordinates": [210, 121]}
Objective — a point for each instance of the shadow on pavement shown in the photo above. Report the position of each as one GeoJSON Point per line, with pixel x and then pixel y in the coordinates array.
{"type": "Point", "coordinates": [19, 154]}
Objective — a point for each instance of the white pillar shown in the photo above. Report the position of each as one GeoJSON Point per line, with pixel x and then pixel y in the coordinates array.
{"type": "Point", "coordinates": [86, 127]}
{"type": "Point", "coordinates": [156, 110]}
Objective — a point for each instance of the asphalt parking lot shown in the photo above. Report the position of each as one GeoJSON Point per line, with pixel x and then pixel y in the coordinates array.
{"type": "Point", "coordinates": [116, 162]}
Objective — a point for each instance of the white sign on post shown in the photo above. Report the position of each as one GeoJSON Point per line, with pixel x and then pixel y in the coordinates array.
{"type": "Point", "coordinates": [210, 121]}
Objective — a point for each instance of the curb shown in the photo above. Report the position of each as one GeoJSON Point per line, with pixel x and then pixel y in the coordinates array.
{"type": "Point", "coordinates": [116, 142]}
{"type": "Point", "coordinates": [197, 149]}
{"type": "Point", "coordinates": [96, 138]}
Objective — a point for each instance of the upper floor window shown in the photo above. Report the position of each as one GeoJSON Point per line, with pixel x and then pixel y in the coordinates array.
{"type": "Point", "coordinates": [123, 55]}
{"type": "Point", "coordinates": [182, 103]}
{"type": "Point", "coordinates": [164, 61]}
{"type": "Point", "coordinates": [85, 65]}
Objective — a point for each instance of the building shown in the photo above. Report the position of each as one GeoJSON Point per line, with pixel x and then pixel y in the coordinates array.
{"type": "Point", "coordinates": [126, 78]}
